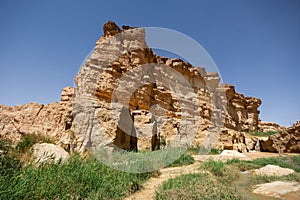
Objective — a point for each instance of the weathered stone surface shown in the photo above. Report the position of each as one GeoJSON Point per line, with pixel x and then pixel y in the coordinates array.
{"type": "Point", "coordinates": [46, 152]}
{"type": "Point", "coordinates": [273, 170]}
{"type": "Point", "coordinates": [232, 153]}
{"type": "Point", "coordinates": [277, 188]}
{"type": "Point", "coordinates": [285, 141]}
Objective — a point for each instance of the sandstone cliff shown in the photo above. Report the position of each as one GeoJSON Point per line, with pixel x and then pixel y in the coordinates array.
{"type": "Point", "coordinates": [112, 106]}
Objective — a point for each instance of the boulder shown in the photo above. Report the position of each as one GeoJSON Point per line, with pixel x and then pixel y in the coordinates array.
{"type": "Point", "coordinates": [277, 188]}
{"type": "Point", "coordinates": [273, 170]}
{"type": "Point", "coordinates": [232, 153]}
{"type": "Point", "coordinates": [46, 152]}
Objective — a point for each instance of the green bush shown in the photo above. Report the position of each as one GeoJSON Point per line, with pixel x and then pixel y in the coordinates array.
{"type": "Point", "coordinates": [75, 179]}
{"type": "Point", "coordinates": [196, 186]}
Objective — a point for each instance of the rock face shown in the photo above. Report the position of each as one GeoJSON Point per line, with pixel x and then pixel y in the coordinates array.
{"type": "Point", "coordinates": [124, 91]}
{"type": "Point", "coordinates": [285, 141]}
{"type": "Point", "coordinates": [45, 153]}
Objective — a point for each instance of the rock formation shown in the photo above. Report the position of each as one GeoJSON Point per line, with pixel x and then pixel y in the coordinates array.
{"type": "Point", "coordinates": [284, 141]}
{"type": "Point", "coordinates": [128, 97]}
{"type": "Point", "coordinates": [50, 120]}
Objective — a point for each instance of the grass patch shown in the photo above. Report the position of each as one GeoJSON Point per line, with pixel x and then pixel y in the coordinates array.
{"type": "Point", "coordinates": [262, 134]}
{"type": "Point", "coordinates": [256, 179]}
{"type": "Point", "coordinates": [241, 164]}
{"type": "Point", "coordinates": [215, 167]}
{"type": "Point", "coordinates": [221, 171]}
{"type": "Point", "coordinates": [184, 159]}
{"type": "Point", "coordinates": [195, 186]}
{"type": "Point", "coordinates": [201, 150]}
{"type": "Point", "coordinates": [292, 162]}
{"type": "Point", "coordinates": [75, 179]}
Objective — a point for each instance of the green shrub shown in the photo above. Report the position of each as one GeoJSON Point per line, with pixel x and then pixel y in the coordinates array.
{"type": "Point", "coordinates": [195, 186]}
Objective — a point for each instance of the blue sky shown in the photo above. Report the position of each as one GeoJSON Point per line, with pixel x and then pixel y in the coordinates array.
{"type": "Point", "coordinates": [255, 44]}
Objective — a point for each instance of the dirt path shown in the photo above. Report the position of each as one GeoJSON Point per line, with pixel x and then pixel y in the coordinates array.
{"type": "Point", "coordinates": [149, 187]}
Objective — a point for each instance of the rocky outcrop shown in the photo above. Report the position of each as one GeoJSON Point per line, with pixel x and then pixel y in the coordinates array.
{"type": "Point", "coordinates": [270, 127]}
{"type": "Point", "coordinates": [119, 74]}
{"type": "Point", "coordinates": [237, 141]}
{"type": "Point", "coordinates": [156, 97]}
{"type": "Point", "coordinates": [242, 112]}
{"type": "Point", "coordinates": [285, 141]}
{"type": "Point", "coordinates": [51, 120]}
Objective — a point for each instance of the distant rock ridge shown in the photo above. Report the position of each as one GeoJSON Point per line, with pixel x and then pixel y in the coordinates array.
{"type": "Point", "coordinates": [117, 52]}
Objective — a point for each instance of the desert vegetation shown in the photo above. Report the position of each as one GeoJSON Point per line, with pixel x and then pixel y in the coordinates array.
{"type": "Point", "coordinates": [78, 178]}
{"type": "Point", "coordinates": [217, 180]}
{"type": "Point", "coordinates": [84, 177]}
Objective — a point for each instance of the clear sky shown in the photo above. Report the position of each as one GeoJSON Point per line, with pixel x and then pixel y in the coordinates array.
{"type": "Point", "coordinates": [255, 44]}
